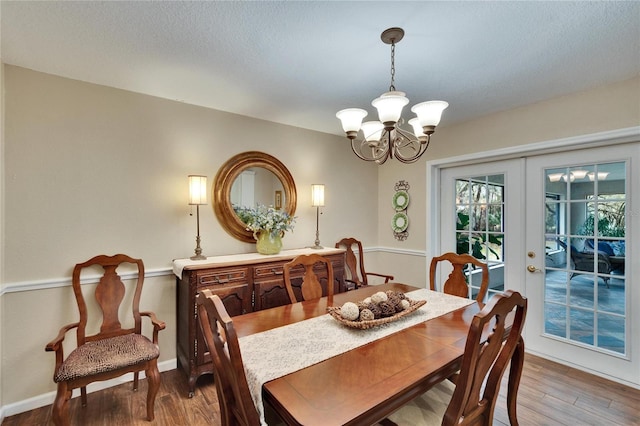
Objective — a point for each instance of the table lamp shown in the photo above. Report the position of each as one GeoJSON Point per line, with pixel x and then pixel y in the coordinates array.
{"type": "Point", "coordinates": [317, 201]}
{"type": "Point", "coordinates": [197, 197]}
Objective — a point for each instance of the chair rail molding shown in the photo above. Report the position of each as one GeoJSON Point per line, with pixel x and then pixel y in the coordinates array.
{"type": "Point", "coordinates": [19, 286]}
{"type": "Point", "coordinates": [66, 281]}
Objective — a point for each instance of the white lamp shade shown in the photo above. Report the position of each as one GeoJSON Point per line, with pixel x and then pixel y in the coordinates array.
{"type": "Point", "coordinates": [317, 195]}
{"type": "Point", "coordinates": [429, 113]}
{"type": "Point", "coordinates": [372, 130]}
{"type": "Point", "coordinates": [197, 189]}
{"type": "Point", "coordinates": [351, 118]}
{"type": "Point", "coordinates": [555, 177]}
{"type": "Point", "coordinates": [599, 175]}
{"type": "Point", "coordinates": [417, 128]}
{"type": "Point", "coordinates": [579, 174]}
{"type": "Point", "coordinates": [389, 106]}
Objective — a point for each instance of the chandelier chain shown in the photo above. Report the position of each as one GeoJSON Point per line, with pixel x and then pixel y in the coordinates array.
{"type": "Point", "coordinates": [392, 88]}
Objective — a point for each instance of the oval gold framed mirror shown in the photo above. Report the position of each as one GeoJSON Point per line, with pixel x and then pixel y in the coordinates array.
{"type": "Point", "coordinates": [251, 166]}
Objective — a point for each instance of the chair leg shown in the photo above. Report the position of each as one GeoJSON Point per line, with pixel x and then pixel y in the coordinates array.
{"type": "Point", "coordinates": [135, 381]}
{"type": "Point", "coordinates": [515, 372]}
{"type": "Point", "coordinates": [83, 395]}
{"type": "Point", "coordinates": [60, 412]}
{"type": "Point", "coordinates": [153, 379]}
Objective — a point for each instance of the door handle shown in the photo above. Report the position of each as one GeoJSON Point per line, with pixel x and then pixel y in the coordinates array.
{"type": "Point", "coordinates": [532, 269]}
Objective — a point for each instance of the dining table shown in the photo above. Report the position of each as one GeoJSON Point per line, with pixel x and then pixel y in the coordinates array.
{"type": "Point", "coordinates": [364, 384]}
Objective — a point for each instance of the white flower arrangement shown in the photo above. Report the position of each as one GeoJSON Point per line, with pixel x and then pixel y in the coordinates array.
{"type": "Point", "coordinates": [263, 218]}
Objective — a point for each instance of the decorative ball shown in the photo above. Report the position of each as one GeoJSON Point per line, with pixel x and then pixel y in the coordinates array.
{"type": "Point", "coordinates": [387, 309]}
{"type": "Point", "coordinates": [394, 301]}
{"type": "Point", "coordinates": [405, 304]}
{"type": "Point", "coordinates": [362, 305]}
{"type": "Point", "coordinates": [379, 297]}
{"type": "Point", "coordinates": [366, 315]}
{"type": "Point", "coordinates": [367, 301]}
{"type": "Point", "coordinates": [350, 311]}
{"type": "Point", "coordinates": [377, 312]}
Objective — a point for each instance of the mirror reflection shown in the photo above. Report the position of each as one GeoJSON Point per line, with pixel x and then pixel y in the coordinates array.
{"type": "Point", "coordinates": [257, 185]}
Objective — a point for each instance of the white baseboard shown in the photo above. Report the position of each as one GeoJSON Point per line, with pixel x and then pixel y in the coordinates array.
{"type": "Point", "coordinates": [47, 398]}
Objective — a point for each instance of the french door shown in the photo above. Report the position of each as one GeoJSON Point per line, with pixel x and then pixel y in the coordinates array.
{"type": "Point", "coordinates": [564, 239]}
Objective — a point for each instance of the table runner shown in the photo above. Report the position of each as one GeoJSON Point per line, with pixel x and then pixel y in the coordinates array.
{"type": "Point", "coordinates": [280, 351]}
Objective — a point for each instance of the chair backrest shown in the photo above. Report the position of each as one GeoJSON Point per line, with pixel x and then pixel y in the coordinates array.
{"type": "Point", "coordinates": [456, 284]}
{"type": "Point", "coordinates": [310, 287]}
{"type": "Point", "coordinates": [356, 275]}
{"type": "Point", "coordinates": [354, 267]}
{"type": "Point", "coordinates": [499, 325]}
{"type": "Point", "coordinates": [109, 293]}
{"type": "Point", "coordinates": [234, 396]}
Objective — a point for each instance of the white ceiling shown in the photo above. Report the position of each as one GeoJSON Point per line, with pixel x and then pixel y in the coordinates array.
{"type": "Point", "coordinates": [299, 62]}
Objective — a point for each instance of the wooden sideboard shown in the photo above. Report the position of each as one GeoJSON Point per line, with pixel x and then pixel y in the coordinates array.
{"type": "Point", "coordinates": [245, 283]}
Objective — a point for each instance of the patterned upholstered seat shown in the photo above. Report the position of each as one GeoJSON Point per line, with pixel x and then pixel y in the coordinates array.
{"type": "Point", "coordinates": [106, 355]}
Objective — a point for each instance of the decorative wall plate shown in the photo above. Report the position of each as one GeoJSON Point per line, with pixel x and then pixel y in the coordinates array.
{"type": "Point", "coordinates": [400, 200]}
{"type": "Point", "coordinates": [400, 222]}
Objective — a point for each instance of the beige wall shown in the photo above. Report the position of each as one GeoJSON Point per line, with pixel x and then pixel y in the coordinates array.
{"type": "Point", "coordinates": [610, 107]}
{"type": "Point", "coordinates": [91, 169]}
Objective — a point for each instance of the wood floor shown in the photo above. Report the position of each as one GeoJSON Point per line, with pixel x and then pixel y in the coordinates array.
{"type": "Point", "coordinates": [549, 394]}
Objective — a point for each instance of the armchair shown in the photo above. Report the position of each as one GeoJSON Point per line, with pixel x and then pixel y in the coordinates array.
{"type": "Point", "coordinates": [114, 350]}
{"type": "Point", "coordinates": [356, 274]}
{"type": "Point", "coordinates": [589, 261]}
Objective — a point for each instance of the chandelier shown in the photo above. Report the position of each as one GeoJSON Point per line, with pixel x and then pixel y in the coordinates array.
{"type": "Point", "coordinates": [386, 138]}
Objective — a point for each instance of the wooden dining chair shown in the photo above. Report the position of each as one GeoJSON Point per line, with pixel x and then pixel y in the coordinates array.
{"type": "Point", "coordinates": [356, 273]}
{"type": "Point", "coordinates": [234, 397]}
{"type": "Point", "coordinates": [310, 287]}
{"type": "Point", "coordinates": [114, 350]}
{"type": "Point", "coordinates": [456, 284]}
{"type": "Point", "coordinates": [494, 342]}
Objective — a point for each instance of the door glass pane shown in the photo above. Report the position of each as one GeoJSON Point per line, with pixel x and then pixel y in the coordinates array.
{"type": "Point", "coordinates": [480, 227]}
{"type": "Point", "coordinates": [585, 292]}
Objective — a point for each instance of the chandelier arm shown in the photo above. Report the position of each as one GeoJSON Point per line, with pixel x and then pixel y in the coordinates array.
{"type": "Point", "coordinates": [413, 158]}
{"type": "Point", "coordinates": [406, 135]}
{"type": "Point", "coordinates": [362, 157]}
{"type": "Point", "coordinates": [383, 151]}
{"type": "Point", "coordinates": [382, 161]}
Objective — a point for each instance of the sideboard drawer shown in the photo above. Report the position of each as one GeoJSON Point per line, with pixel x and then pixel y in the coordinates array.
{"type": "Point", "coordinates": [268, 271]}
{"type": "Point", "coordinates": [222, 277]}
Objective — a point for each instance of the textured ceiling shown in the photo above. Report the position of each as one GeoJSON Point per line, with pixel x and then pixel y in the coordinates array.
{"type": "Point", "coordinates": [299, 62]}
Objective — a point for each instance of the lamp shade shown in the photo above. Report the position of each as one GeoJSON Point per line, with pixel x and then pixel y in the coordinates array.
{"type": "Point", "coordinates": [417, 128]}
{"type": "Point", "coordinates": [197, 189]}
{"type": "Point", "coordinates": [555, 177]}
{"type": "Point", "coordinates": [429, 113]}
{"type": "Point", "coordinates": [579, 174]}
{"type": "Point", "coordinates": [351, 118]}
{"type": "Point", "coordinates": [372, 130]}
{"type": "Point", "coordinates": [599, 176]}
{"type": "Point", "coordinates": [389, 106]}
{"type": "Point", "coordinates": [317, 195]}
